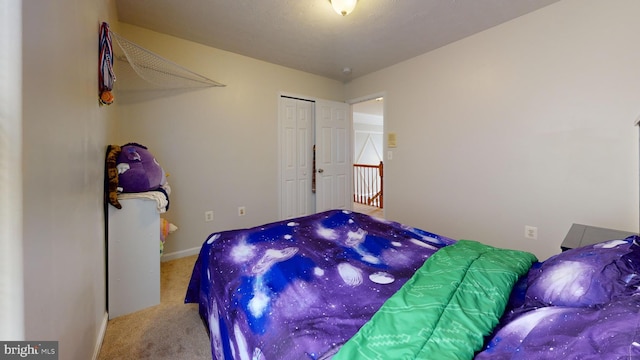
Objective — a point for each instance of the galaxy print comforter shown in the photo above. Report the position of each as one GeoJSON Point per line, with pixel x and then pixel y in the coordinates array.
{"type": "Point", "coordinates": [581, 304]}
{"type": "Point", "coordinates": [299, 289]}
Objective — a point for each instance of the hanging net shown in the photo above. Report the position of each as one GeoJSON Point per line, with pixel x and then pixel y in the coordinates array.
{"type": "Point", "coordinates": [159, 71]}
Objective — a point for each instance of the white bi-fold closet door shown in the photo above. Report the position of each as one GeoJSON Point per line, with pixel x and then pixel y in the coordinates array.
{"type": "Point", "coordinates": [308, 183]}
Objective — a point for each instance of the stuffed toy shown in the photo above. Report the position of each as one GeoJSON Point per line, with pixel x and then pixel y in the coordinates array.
{"type": "Point", "coordinates": [138, 170]}
{"type": "Point", "coordinates": [166, 228]}
{"type": "Point", "coordinates": [111, 187]}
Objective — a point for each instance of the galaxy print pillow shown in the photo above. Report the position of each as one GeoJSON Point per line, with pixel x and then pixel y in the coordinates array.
{"type": "Point", "coordinates": [588, 276]}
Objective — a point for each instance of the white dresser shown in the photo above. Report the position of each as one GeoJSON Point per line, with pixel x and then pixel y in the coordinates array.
{"type": "Point", "coordinates": [133, 256]}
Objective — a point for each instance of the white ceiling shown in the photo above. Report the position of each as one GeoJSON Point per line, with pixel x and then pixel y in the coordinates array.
{"type": "Point", "coordinates": [308, 35]}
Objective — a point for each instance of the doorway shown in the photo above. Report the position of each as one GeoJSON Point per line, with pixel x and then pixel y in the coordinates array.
{"type": "Point", "coordinates": [368, 156]}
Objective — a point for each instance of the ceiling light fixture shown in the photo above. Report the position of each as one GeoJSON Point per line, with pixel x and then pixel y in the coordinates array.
{"type": "Point", "coordinates": [343, 7]}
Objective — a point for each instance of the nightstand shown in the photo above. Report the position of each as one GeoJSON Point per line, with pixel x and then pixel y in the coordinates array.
{"type": "Point", "coordinates": [582, 235]}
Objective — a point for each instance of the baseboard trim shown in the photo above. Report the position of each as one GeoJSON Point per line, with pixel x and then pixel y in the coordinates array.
{"type": "Point", "coordinates": [101, 334]}
{"type": "Point", "coordinates": [180, 254]}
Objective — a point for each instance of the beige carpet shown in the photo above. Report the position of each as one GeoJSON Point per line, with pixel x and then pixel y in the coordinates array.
{"type": "Point", "coordinates": [171, 330]}
{"type": "Point", "coordinates": [369, 210]}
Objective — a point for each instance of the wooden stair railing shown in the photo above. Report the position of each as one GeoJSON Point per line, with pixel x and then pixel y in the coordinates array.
{"type": "Point", "coordinates": [367, 184]}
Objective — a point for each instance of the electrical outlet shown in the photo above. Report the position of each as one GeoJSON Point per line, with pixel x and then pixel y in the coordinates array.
{"type": "Point", "coordinates": [208, 215]}
{"type": "Point", "coordinates": [531, 232]}
{"type": "Point", "coordinates": [242, 211]}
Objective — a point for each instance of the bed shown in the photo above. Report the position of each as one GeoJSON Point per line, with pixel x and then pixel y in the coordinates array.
{"type": "Point", "coordinates": [344, 285]}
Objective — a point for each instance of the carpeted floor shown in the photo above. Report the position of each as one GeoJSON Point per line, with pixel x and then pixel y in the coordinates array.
{"type": "Point", "coordinates": [171, 330]}
{"type": "Point", "coordinates": [369, 210]}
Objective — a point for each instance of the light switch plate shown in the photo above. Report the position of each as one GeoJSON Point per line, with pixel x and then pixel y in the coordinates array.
{"type": "Point", "coordinates": [392, 140]}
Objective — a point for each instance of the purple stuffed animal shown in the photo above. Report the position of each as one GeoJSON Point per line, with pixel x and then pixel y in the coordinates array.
{"type": "Point", "coordinates": [138, 170]}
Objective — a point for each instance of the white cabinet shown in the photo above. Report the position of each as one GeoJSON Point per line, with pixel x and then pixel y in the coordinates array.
{"type": "Point", "coordinates": [133, 256]}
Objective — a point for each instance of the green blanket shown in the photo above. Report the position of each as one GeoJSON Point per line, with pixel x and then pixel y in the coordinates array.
{"type": "Point", "coordinates": [445, 310]}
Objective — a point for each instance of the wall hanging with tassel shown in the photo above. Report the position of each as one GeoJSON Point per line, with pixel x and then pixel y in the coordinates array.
{"type": "Point", "coordinates": [105, 72]}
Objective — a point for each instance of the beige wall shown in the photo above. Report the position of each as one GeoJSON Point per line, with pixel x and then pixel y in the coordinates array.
{"type": "Point", "coordinates": [527, 123]}
{"type": "Point", "coordinates": [64, 141]}
{"type": "Point", "coordinates": [219, 145]}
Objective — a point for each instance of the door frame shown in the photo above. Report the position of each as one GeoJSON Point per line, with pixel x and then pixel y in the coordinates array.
{"type": "Point", "coordinates": [385, 147]}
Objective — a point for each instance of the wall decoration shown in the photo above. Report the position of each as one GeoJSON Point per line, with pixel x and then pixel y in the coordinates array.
{"type": "Point", "coordinates": [106, 76]}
